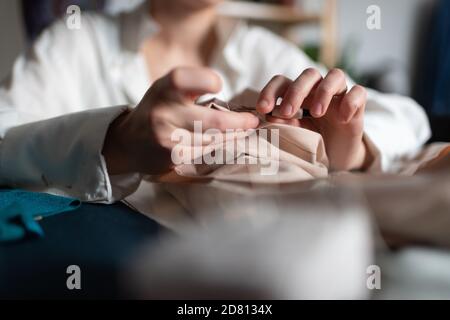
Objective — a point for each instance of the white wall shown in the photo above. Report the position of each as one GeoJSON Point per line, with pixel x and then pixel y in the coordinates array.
{"type": "Point", "coordinates": [394, 46]}
{"type": "Point", "coordinates": [11, 34]}
{"type": "Point", "coordinates": [396, 38]}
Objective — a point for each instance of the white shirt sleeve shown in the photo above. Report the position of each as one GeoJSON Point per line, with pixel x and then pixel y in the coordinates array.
{"type": "Point", "coordinates": [62, 153]}
{"type": "Point", "coordinates": [49, 141]}
{"type": "Point", "coordinates": [397, 126]}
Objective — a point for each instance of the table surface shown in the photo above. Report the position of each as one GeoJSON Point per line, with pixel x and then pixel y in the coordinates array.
{"type": "Point", "coordinates": [97, 238]}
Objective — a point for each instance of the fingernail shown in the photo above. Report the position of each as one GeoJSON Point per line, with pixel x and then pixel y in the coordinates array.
{"type": "Point", "coordinates": [287, 110]}
{"type": "Point", "coordinates": [317, 109]}
{"type": "Point", "coordinates": [263, 104]}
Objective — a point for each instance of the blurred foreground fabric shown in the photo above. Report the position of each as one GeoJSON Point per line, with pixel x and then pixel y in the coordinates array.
{"type": "Point", "coordinates": [315, 239]}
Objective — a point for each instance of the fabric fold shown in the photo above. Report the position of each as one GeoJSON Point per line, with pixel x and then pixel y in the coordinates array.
{"type": "Point", "coordinates": [272, 153]}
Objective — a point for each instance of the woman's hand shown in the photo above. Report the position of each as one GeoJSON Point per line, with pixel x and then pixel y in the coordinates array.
{"type": "Point", "coordinates": [336, 114]}
{"type": "Point", "coordinates": [141, 140]}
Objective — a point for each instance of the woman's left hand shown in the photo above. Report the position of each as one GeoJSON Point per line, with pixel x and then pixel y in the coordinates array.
{"type": "Point", "coordinates": [337, 114]}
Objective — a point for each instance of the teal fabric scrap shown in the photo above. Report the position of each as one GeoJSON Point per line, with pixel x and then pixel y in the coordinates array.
{"type": "Point", "coordinates": [19, 211]}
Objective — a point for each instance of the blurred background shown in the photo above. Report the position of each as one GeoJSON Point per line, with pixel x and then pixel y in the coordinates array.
{"type": "Point", "coordinates": [409, 54]}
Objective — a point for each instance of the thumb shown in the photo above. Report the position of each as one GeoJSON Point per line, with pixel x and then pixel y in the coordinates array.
{"type": "Point", "coordinates": [188, 83]}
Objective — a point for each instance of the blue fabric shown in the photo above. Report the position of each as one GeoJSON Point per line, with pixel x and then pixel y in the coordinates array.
{"type": "Point", "coordinates": [19, 210]}
{"type": "Point", "coordinates": [435, 81]}
{"type": "Point", "coordinates": [100, 239]}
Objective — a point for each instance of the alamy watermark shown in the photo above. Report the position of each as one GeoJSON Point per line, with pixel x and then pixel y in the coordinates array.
{"type": "Point", "coordinates": [73, 21]}
{"type": "Point", "coordinates": [73, 281]}
{"type": "Point", "coordinates": [374, 17]}
{"type": "Point", "coordinates": [374, 277]}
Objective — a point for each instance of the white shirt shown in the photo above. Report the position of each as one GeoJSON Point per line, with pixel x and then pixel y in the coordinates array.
{"type": "Point", "coordinates": [63, 94]}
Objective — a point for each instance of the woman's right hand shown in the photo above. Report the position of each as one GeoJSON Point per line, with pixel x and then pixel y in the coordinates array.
{"type": "Point", "coordinates": [337, 113]}
{"type": "Point", "coordinates": [141, 141]}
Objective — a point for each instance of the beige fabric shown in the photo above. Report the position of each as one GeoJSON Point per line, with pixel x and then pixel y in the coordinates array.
{"type": "Point", "coordinates": [273, 153]}
{"type": "Point", "coordinates": [412, 206]}
{"type": "Point", "coordinates": [300, 156]}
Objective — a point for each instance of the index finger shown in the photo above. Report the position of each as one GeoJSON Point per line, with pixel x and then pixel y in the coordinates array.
{"type": "Point", "coordinates": [274, 89]}
{"type": "Point", "coordinates": [214, 119]}
{"type": "Point", "coordinates": [298, 91]}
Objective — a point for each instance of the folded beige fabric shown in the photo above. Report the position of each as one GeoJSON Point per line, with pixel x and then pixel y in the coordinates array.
{"type": "Point", "coordinates": [299, 155]}
{"type": "Point", "coordinates": [273, 153]}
